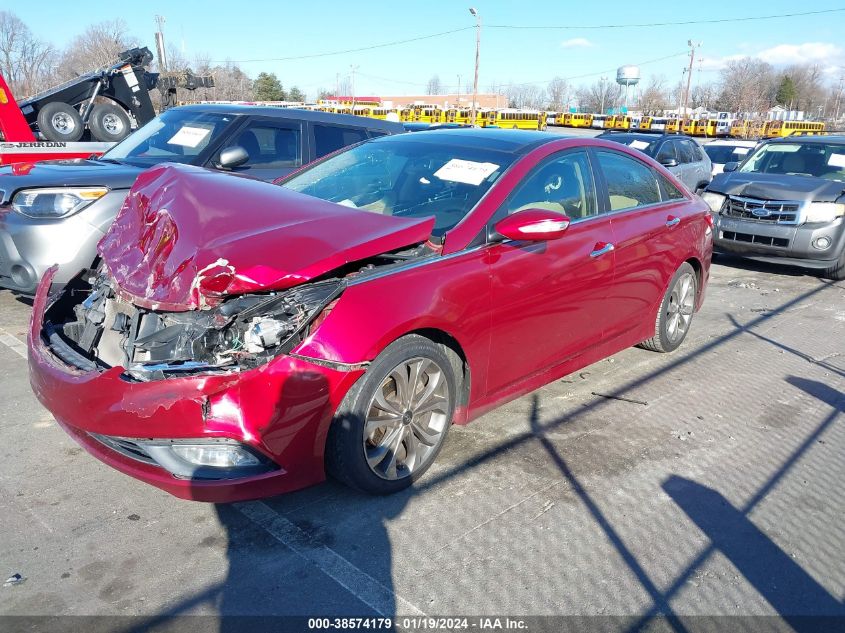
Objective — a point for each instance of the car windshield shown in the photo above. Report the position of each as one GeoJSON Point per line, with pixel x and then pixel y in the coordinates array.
{"type": "Point", "coordinates": [646, 144]}
{"type": "Point", "coordinates": [396, 176]}
{"type": "Point", "coordinates": [176, 136]}
{"type": "Point", "coordinates": [722, 154]}
{"type": "Point", "coordinates": [819, 160]}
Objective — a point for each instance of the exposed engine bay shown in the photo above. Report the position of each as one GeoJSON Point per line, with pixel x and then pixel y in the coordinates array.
{"type": "Point", "coordinates": [91, 326]}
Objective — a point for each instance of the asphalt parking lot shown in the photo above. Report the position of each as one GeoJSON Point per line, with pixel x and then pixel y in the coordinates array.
{"type": "Point", "coordinates": [715, 489]}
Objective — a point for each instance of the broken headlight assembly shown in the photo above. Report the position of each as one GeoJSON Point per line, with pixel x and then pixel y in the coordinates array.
{"type": "Point", "coordinates": [241, 333]}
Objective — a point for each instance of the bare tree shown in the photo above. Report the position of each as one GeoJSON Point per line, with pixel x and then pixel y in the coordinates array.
{"type": "Point", "coordinates": [434, 87]}
{"type": "Point", "coordinates": [704, 96]}
{"type": "Point", "coordinates": [599, 96]}
{"type": "Point", "coordinates": [558, 94]}
{"type": "Point", "coordinates": [654, 98]}
{"type": "Point", "coordinates": [97, 46]}
{"type": "Point", "coordinates": [27, 63]}
{"type": "Point", "coordinates": [525, 96]}
{"type": "Point", "coordinates": [747, 86]}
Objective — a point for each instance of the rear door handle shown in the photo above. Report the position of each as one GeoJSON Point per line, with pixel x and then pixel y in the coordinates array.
{"type": "Point", "coordinates": [672, 221]}
{"type": "Point", "coordinates": [602, 248]}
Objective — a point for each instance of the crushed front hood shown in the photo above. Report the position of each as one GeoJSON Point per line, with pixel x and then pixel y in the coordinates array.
{"type": "Point", "coordinates": [777, 186]}
{"type": "Point", "coordinates": [186, 237]}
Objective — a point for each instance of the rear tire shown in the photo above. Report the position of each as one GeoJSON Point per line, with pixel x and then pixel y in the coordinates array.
{"type": "Point", "coordinates": [381, 441]}
{"type": "Point", "coordinates": [674, 316]}
{"type": "Point", "coordinates": [60, 122]}
{"type": "Point", "coordinates": [109, 123]}
{"type": "Point", "coordinates": [837, 271]}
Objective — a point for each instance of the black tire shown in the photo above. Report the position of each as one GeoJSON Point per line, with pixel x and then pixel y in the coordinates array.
{"type": "Point", "coordinates": [837, 271]}
{"type": "Point", "coordinates": [666, 339]}
{"type": "Point", "coordinates": [60, 122]}
{"type": "Point", "coordinates": [109, 123]}
{"type": "Point", "coordinates": [346, 446]}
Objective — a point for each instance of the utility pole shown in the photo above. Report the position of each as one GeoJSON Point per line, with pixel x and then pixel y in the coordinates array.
{"type": "Point", "coordinates": [692, 46]}
{"type": "Point", "coordinates": [353, 69]}
{"type": "Point", "coordinates": [336, 86]}
{"type": "Point", "coordinates": [477, 15]}
{"type": "Point", "coordinates": [162, 54]}
{"type": "Point", "coordinates": [459, 91]}
{"type": "Point", "coordinates": [602, 83]}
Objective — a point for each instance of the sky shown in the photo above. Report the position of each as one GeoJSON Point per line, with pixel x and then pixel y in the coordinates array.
{"type": "Point", "coordinates": [268, 31]}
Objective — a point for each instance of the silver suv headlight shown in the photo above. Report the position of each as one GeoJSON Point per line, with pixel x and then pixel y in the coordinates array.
{"type": "Point", "coordinates": [823, 211]}
{"type": "Point", "coordinates": [714, 200]}
{"type": "Point", "coordinates": [57, 202]}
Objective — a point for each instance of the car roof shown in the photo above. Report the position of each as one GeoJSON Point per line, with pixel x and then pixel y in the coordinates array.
{"type": "Point", "coordinates": [295, 113]}
{"type": "Point", "coordinates": [732, 141]}
{"type": "Point", "coordinates": [498, 139]}
{"type": "Point", "coordinates": [835, 139]}
{"type": "Point", "coordinates": [611, 134]}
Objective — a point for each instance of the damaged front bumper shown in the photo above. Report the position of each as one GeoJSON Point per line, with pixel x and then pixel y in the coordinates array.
{"type": "Point", "coordinates": [275, 416]}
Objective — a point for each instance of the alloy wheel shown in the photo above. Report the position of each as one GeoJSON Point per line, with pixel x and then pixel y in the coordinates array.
{"type": "Point", "coordinates": [406, 419]}
{"type": "Point", "coordinates": [680, 307]}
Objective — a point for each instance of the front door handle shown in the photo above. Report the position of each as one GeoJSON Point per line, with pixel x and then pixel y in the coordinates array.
{"type": "Point", "coordinates": [672, 221]}
{"type": "Point", "coordinates": [602, 248]}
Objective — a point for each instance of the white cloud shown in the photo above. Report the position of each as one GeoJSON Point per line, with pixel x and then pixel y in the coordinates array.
{"type": "Point", "coordinates": [823, 53]}
{"type": "Point", "coordinates": [577, 42]}
{"type": "Point", "coordinates": [810, 52]}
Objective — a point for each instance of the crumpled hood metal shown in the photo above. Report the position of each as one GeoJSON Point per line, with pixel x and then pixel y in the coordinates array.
{"type": "Point", "coordinates": [186, 237]}
{"type": "Point", "coordinates": [777, 186]}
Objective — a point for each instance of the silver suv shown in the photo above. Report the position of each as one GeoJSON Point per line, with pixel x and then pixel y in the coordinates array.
{"type": "Point", "coordinates": [680, 154]}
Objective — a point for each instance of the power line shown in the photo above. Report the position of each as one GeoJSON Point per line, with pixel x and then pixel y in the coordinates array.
{"type": "Point", "coordinates": [655, 24]}
{"type": "Point", "coordinates": [531, 27]}
{"type": "Point", "coordinates": [344, 52]}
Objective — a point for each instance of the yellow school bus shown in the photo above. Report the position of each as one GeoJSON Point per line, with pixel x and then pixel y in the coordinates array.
{"type": "Point", "coordinates": [701, 127]}
{"type": "Point", "coordinates": [621, 122]}
{"type": "Point", "coordinates": [425, 113]}
{"type": "Point", "coordinates": [577, 119]}
{"type": "Point", "coordinates": [739, 128]}
{"type": "Point", "coordinates": [516, 119]}
{"type": "Point", "coordinates": [673, 125]}
{"type": "Point", "coordinates": [788, 128]}
{"type": "Point", "coordinates": [373, 113]}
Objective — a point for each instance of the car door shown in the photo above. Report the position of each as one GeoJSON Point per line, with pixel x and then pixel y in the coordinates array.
{"type": "Point", "coordinates": [688, 174]}
{"type": "Point", "coordinates": [548, 296]}
{"type": "Point", "coordinates": [274, 147]}
{"type": "Point", "coordinates": [645, 210]}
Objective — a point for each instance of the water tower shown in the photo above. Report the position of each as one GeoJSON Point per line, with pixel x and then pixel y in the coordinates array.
{"type": "Point", "coordinates": [627, 76]}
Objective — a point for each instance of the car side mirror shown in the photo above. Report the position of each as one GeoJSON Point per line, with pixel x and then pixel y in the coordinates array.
{"type": "Point", "coordinates": [534, 225]}
{"type": "Point", "coordinates": [231, 157]}
{"type": "Point", "coordinates": [669, 162]}
{"type": "Point", "coordinates": [731, 166]}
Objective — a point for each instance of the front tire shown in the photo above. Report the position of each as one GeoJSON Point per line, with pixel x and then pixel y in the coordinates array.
{"type": "Point", "coordinates": [393, 422]}
{"type": "Point", "coordinates": [837, 271]}
{"type": "Point", "coordinates": [674, 315]}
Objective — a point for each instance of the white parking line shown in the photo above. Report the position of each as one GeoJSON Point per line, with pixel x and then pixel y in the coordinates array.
{"type": "Point", "coordinates": [360, 584]}
{"type": "Point", "coordinates": [13, 343]}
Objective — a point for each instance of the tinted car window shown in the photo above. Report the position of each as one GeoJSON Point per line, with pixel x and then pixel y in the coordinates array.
{"type": "Point", "coordinates": [726, 153]}
{"type": "Point", "coordinates": [667, 151]}
{"type": "Point", "coordinates": [630, 184]}
{"type": "Point", "coordinates": [643, 142]}
{"type": "Point", "coordinates": [685, 152]}
{"type": "Point", "coordinates": [670, 191]}
{"type": "Point", "coordinates": [330, 138]}
{"type": "Point", "coordinates": [563, 184]}
{"type": "Point", "coordinates": [177, 136]}
{"type": "Point", "coordinates": [395, 176]}
{"type": "Point", "coordinates": [270, 146]}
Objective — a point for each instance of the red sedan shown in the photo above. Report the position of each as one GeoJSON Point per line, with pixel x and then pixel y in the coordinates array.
{"type": "Point", "coordinates": [240, 339]}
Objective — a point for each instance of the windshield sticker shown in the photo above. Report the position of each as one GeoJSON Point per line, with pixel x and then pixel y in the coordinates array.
{"type": "Point", "coordinates": [742, 151]}
{"type": "Point", "coordinates": [189, 136]}
{"type": "Point", "coordinates": [777, 147]}
{"type": "Point", "coordinates": [836, 160]}
{"type": "Point", "coordinates": [638, 144]}
{"type": "Point", "coordinates": [466, 171]}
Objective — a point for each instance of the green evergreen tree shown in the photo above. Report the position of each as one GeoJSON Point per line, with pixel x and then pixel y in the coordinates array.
{"type": "Point", "coordinates": [787, 92]}
{"type": "Point", "coordinates": [267, 87]}
{"type": "Point", "coordinates": [296, 94]}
